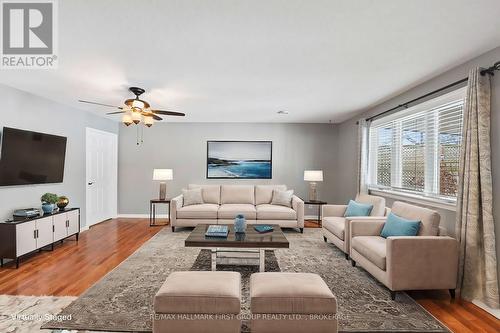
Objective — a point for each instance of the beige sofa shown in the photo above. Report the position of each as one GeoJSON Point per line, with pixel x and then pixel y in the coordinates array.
{"type": "Point", "coordinates": [223, 202]}
{"type": "Point", "coordinates": [426, 261]}
{"type": "Point", "coordinates": [335, 226]}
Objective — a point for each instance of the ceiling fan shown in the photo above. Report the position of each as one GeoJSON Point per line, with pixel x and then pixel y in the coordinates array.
{"type": "Point", "coordinates": [137, 110]}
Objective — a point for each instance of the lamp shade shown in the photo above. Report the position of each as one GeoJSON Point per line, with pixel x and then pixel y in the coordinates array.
{"type": "Point", "coordinates": [313, 175]}
{"type": "Point", "coordinates": [163, 174]}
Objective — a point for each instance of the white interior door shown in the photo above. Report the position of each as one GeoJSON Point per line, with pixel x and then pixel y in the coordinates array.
{"type": "Point", "coordinates": [102, 175]}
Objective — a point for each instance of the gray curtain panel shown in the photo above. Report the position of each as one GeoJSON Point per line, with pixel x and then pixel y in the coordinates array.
{"type": "Point", "coordinates": [474, 225]}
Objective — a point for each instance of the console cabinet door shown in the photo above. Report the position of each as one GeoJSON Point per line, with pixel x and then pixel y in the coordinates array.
{"type": "Point", "coordinates": [73, 222]}
{"type": "Point", "coordinates": [45, 236]}
{"type": "Point", "coordinates": [25, 238]}
{"type": "Point", "coordinates": [60, 228]}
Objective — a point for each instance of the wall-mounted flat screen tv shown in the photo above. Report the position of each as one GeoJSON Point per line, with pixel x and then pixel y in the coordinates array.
{"type": "Point", "coordinates": [240, 159]}
{"type": "Point", "coordinates": [31, 158]}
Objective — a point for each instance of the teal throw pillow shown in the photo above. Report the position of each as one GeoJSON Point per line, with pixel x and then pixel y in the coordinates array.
{"type": "Point", "coordinates": [357, 209]}
{"type": "Point", "coordinates": [398, 226]}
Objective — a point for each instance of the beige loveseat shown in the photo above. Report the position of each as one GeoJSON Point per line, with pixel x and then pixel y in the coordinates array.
{"type": "Point", "coordinates": [221, 204]}
{"type": "Point", "coordinates": [426, 261]}
{"type": "Point", "coordinates": [335, 226]}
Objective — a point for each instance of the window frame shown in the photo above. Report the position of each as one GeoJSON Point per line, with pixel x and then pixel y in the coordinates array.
{"type": "Point", "coordinates": [430, 194]}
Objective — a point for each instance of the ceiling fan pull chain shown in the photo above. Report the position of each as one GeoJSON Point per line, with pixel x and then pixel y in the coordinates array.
{"type": "Point", "coordinates": [142, 134]}
{"type": "Point", "coordinates": [137, 135]}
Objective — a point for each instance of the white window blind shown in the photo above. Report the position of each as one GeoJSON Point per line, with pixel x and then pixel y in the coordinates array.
{"type": "Point", "coordinates": [417, 150]}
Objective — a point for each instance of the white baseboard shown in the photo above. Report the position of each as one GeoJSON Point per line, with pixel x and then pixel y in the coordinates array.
{"type": "Point", "coordinates": [311, 217]}
{"type": "Point", "coordinates": [493, 312]}
{"type": "Point", "coordinates": [141, 216]}
{"type": "Point", "coordinates": [84, 228]}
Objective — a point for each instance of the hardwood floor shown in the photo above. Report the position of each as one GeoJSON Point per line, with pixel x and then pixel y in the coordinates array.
{"type": "Point", "coordinates": [74, 266]}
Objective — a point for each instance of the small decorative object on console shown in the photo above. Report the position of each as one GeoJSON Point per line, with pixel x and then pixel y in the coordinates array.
{"type": "Point", "coordinates": [49, 201]}
{"type": "Point", "coordinates": [26, 213]}
{"type": "Point", "coordinates": [263, 228]}
{"type": "Point", "coordinates": [240, 224]}
{"type": "Point", "coordinates": [62, 202]}
{"type": "Point", "coordinates": [217, 231]}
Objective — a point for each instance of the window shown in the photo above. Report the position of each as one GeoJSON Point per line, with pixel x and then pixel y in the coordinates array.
{"type": "Point", "coordinates": [417, 150]}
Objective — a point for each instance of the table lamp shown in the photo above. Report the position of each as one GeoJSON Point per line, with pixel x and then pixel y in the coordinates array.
{"type": "Point", "coordinates": [313, 176]}
{"type": "Point", "coordinates": [162, 175]}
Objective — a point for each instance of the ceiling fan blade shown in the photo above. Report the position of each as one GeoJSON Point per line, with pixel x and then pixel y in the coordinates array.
{"type": "Point", "coordinates": [150, 114]}
{"type": "Point", "coordinates": [101, 104]}
{"type": "Point", "coordinates": [169, 113]}
{"type": "Point", "coordinates": [116, 112]}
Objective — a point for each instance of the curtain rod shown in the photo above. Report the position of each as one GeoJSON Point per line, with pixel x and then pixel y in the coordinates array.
{"type": "Point", "coordinates": [490, 70]}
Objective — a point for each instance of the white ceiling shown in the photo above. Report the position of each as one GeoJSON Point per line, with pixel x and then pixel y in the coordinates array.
{"type": "Point", "coordinates": [242, 61]}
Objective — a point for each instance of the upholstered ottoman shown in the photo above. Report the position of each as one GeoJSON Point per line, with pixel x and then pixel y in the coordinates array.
{"type": "Point", "coordinates": [291, 302]}
{"type": "Point", "coordinates": [198, 302]}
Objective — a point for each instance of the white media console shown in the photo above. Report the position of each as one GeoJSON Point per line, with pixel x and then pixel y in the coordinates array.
{"type": "Point", "coordinates": [19, 238]}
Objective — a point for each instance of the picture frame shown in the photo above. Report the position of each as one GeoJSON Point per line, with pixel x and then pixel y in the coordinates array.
{"type": "Point", "coordinates": [239, 159]}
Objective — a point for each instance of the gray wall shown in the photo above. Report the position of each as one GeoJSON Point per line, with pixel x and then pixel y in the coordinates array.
{"type": "Point", "coordinates": [347, 136]}
{"type": "Point", "coordinates": [183, 148]}
{"type": "Point", "coordinates": [26, 111]}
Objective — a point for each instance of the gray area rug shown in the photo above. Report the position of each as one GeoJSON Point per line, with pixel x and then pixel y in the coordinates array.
{"type": "Point", "coordinates": [122, 300]}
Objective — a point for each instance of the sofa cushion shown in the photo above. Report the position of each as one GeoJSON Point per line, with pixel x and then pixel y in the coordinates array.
{"type": "Point", "coordinates": [238, 194]}
{"type": "Point", "coordinates": [200, 292]}
{"type": "Point", "coordinates": [372, 248]}
{"type": "Point", "coordinates": [429, 218]}
{"type": "Point", "coordinates": [297, 293]}
{"type": "Point", "coordinates": [358, 209]}
{"type": "Point", "coordinates": [377, 202]}
{"type": "Point", "coordinates": [274, 212]}
{"type": "Point", "coordinates": [336, 225]}
{"type": "Point", "coordinates": [192, 197]}
{"type": "Point", "coordinates": [229, 211]}
{"type": "Point", "coordinates": [398, 226]}
{"type": "Point", "coordinates": [203, 211]}
{"type": "Point", "coordinates": [210, 193]}
{"type": "Point", "coordinates": [264, 193]}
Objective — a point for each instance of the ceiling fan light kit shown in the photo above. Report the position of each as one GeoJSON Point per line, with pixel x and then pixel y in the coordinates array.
{"type": "Point", "coordinates": [136, 110]}
{"type": "Point", "coordinates": [127, 119]}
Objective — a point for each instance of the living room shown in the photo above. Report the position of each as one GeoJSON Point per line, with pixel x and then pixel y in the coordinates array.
{"type": "Point", "coordinates": [250, 166]}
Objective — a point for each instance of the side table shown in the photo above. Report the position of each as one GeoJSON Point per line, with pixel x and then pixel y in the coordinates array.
{"type": "Point", "coordinates": [318, 203]}
{"type": "Point", "coordinates": [152, 210]}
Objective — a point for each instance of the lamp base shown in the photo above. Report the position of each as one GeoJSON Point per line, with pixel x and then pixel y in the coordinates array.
{"type": "Point", "coordinates": [313, 193]}
{"type": "Point", "coordinates": [163, 191]}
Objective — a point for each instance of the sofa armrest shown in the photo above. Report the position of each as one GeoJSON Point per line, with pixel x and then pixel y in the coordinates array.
{"type": "Point", "coordinates": [333, 210]}
{"type": "Point", "coordinates": [175, 204]}
{"type": "Point", "coordinates": [298, 207]}
{"type": "Point", "coordinates": [422, 262]}
{"type": "Point", "coordinates": [364, 227]}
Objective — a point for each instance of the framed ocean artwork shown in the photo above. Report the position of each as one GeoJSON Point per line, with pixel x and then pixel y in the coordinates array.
{"type": "Point", "coordinates": [239, 159]}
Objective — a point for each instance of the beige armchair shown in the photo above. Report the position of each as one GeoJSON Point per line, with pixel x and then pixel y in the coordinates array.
{"type": "Point", "coordinates": [426, 261]}
{"type": "Point", "coordinates": [336, 226]}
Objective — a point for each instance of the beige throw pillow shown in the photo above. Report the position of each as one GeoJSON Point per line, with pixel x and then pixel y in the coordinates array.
{"type": "Point", "coordinates": [192, 197]}
{"type": "Point", "coordinates": [282, 198]}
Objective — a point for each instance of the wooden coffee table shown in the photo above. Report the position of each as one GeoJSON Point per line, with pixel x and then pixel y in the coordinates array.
{"type": "Point", "coordinates": [251, 242]}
